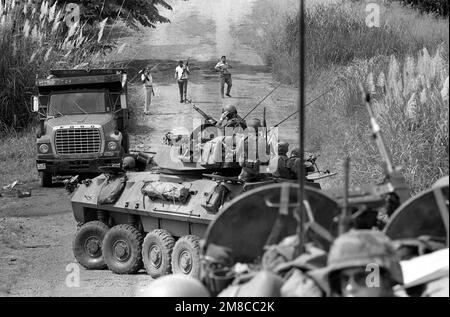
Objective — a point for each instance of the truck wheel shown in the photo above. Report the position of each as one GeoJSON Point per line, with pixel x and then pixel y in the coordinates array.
{"type": "Point", "coordinates": [157, 252]}
{"type": "Point", "coordinates": [186, 256]}
{"type": "Point", "coordinates": [87, 245]}
{"type": "Point", "coordinates": [46, 179]}
{"type": "Point", "coordinates": [122, 249]}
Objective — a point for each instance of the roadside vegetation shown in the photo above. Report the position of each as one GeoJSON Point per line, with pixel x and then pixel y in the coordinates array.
{"type": "Point", "coordinates": [38, 35]}
{"type": "Point", "coordinates": [404, 63]}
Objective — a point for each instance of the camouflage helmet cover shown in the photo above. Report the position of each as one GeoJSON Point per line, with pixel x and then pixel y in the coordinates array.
{"type": "Point", "coordinates": [283, 148]}
{"type": "Point", "coordinates": [362, 247]}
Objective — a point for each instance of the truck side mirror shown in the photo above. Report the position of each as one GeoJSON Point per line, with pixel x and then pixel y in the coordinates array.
{"type": "Point", "coordinates": [35, 103]}
{"type": "Point", "coordinates": [123, 101]}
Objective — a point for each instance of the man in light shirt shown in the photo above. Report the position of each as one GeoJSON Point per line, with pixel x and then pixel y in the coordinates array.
{"type": "Point", "coordinates": [181, 75]}
{"type": "Point", "coordinates": [225, 75]}
{"type": "Point", "coordinates": [147, 80]}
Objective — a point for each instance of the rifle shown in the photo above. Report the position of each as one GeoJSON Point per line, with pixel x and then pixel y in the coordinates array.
{"type": "Point", "coordinates": [186, 65]}
{"type": "Point", "coordinates": [394, 178]}
{"type": "Point", "coordinates": [208, 118]}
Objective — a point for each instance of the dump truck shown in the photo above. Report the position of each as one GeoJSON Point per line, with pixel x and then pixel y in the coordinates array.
{"type": "Point", "coordinates": [83, 120]}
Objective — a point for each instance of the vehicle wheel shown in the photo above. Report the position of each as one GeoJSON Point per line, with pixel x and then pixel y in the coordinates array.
{"type": "Point", "coordinates": [87, 245]}
{"type": "Point", "coordinates": [157, 253]}
{"type": "Point", "coordinates": [122, 249]}
{"type": "Point", "coordinates": [186, 256]}
{"type": "Point", "coordinates": [46, 179]}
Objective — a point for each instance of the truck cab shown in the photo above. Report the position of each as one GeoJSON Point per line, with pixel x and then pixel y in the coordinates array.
{"type": "Point", "coordinates": [83, 120]}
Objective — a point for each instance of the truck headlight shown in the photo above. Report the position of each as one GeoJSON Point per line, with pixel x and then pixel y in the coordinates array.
{"type": "Point", "coordinates": [112, 146]}
{"type": "Point", "coordinates": [43, 148]}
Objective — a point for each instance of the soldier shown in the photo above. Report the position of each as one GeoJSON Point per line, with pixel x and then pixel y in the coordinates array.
{"type": "Point", "coordinates": [249, 161]}
{"type": "Point", "coordinates": [147, 81]}
{"type": "Point", "coordinates": [361, 263]}
{"type": "Point", "coordinates": [181, 75]}
{"type": "Point", "coordinates": [282, 160]}
{"type": "Point", "coordinates": [225, 75]}
{"type": "Point", "coordinates": [231, 119]}
{"type": "Point", "coordinates": [295, 162]}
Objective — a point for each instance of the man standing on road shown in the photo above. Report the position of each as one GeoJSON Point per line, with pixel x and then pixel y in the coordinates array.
{"type": "Point", "coordinates": [147, 80]}
{"type": "Point", "coordinates": [181, 75]}
{"type": "Point", "coordinates": [225, 75]}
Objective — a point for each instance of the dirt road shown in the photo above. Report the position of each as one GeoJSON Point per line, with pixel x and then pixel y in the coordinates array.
{"type": "Point", "coordinates": [36, 233]}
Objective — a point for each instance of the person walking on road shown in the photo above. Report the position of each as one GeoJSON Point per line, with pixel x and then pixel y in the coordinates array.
{"type": "Point", "coordinates": [225, 76]}
{"type": "Point", "coordinates": [181, 75]}
{"type": "Point", "coordinates": [147, 81]}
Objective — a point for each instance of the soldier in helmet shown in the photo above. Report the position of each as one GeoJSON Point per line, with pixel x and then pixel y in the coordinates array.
{"type": "Point", "coordinates": [362, 263]}
{"type": "Point", "coordinates": [175, 285]}
{"type": "Point", "coordinates": [231, 119]}
{"type": "Point", "coordinates": [249, 158]}
{"type": "Point", "coordinates": [282, 162]}
{"type": "Point", "coordinates": [295, 162]}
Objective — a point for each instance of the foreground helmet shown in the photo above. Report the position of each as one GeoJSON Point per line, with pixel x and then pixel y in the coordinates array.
{"type": "Point", "coordinates": [128, 163]}
{"type": "Point", "coordinates": [358, 248]}
{"type": "Point", "coordinates": [230, 109]}
{"type": "Point", "coordinates": [283, 148]}
{"type": "Point", "coordinates": [254, 123]}
{"type": "Point", "coordinates": [176, 285]}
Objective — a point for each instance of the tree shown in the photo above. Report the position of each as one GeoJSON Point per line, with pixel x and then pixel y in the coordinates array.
{"type": "Point", "coordinates": [439, 7]}
{"type": "Point", "coordinates": [132, 12]}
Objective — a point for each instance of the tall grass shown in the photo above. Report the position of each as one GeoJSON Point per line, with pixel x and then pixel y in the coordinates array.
{"type": "Point", "coordinates": [17, 157]}
{"type": "Point", "coordinates": [413, 115]}
{"type": "Point", "coordinates": [336, 34]}
{"type": "Point", "coordinates": [34, 38]}
{"type": "Point", "coordinates": [405, 65]}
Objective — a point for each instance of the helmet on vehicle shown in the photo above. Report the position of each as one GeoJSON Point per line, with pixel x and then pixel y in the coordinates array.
{"type": "Point", "coordinates": [295, 152]}
{"type": "Point", "coordinates": [283, 148]}
{"type": "Point", "coordinates": [358, 248]}
{"type": "Point", "coordinates": [128, 163]}
{"type": "Point", "coordinates": [175, 285]}
{"type": "Point", "coordinates": [230, 109]}
{"type": "Point", "coordinates": [254, 123]}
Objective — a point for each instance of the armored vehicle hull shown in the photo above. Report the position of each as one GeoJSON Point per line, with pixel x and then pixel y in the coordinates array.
{"type": "Point", "coordinates": [146, 218]}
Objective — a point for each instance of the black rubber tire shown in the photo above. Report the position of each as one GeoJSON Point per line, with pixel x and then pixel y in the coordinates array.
{"type": "Point", "coordinates": [187, 246]}
{"type": "Point", "coordinates": [162, 242]}
{"type": "Point", "coordinates": [127, 239]}
{"type": "Point", "coordinates": [46, 179]}
{"type": "Point", "coordinates": [90, 232]}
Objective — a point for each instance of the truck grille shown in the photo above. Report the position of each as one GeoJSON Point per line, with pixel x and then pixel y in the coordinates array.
{"type": "Point", "coordinates": [77, 141]}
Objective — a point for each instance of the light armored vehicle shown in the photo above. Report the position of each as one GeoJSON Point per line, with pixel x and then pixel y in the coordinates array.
{"type": "Point", "coordinates": [157, 217]}
{"type": "Point", "coordinates": [83, 121]}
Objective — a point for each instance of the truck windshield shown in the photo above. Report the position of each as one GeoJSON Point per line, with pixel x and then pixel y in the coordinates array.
{"type": "Point", "coordinates": [78, 103]}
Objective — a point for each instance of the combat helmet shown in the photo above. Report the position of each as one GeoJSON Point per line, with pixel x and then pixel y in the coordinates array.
{"type": "Point", "coordinates": [283, 148]}
{"type": "Point", "coordinates": [295, 152]}
{"type": "Point", "coordinates": [230, 109]}
{"type": "Point", "coordinates": [358, 248]}
{"type": "Point", "coordinates": [128, 163]}
{"type": "Point", "coordinates": [175, 285]}
{"type": "Point", "coordinates": [254, 123]}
